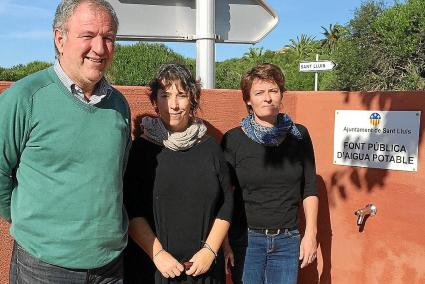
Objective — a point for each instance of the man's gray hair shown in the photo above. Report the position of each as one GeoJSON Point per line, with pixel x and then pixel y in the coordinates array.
{"type": "Point", "coordinates": [66, 9]}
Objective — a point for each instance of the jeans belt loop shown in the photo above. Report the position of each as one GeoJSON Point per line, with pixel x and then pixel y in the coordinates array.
{"type": "Point", "coordinates": [275, 233]}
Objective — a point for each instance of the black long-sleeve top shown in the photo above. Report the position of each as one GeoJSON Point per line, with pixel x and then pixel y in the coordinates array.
{"type": "Point", "coordinates": [184, 191]}
{"type": "Point", "coordinates": [273, 179]}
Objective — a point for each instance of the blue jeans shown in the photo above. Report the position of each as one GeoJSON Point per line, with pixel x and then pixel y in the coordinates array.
{"type": "Point", "coordinates": [272, 259]}
{"type": "Point", "coordinates": [26, 269]}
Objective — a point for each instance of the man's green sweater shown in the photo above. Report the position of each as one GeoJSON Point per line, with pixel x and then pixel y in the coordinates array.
{"type": "Point", "coordinates": [61, 168]}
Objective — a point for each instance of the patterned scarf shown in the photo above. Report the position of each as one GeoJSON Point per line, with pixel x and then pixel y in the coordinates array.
{"type": "Point", "coordinates": [154, 129]}
{"type": "Point", "coordinates": [270, 136]}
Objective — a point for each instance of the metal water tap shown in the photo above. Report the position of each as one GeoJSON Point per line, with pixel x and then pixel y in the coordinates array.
{"type": "Point", "coordinates": [369, 209]}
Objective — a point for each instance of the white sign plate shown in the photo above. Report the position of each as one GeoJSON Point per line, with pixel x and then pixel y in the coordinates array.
{"type": "Point", "coordinates": [315, 66]}
{"type": "Point", "coordinates": [236, 21]}
{"type": "Point", "coordinates": [377, 139]}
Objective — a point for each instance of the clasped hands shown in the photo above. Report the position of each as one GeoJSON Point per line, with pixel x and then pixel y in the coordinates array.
{"type": "Point", "coordinates": [170, 267]}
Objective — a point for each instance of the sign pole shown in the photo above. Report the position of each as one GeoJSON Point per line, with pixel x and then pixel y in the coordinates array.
{"type": "Point", "coordinates": [210, 21]}
{"type": "Point", "coordinates": [205, 42]}
{"type": "Point", "coordinates": [316, 76]}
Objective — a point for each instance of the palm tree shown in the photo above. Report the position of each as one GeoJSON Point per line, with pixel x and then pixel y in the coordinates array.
{"type": "Point", "coordinates": [302, 46]}
{"type": "Point", "coordinates": [332, 35]}
{"type": "Point", "coordinates": [254, 54]}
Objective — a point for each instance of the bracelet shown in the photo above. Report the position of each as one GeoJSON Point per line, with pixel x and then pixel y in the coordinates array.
{"type": "Point", "coordinates": [207, 246]}
{"type": "Point", "coordinates": [161, 250]}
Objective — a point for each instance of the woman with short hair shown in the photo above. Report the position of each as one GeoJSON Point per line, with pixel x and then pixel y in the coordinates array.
{"type": "Point", "coordinates": [273, 162]}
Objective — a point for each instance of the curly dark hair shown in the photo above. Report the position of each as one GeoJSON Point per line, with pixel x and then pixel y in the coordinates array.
{"type": "Point", "coordinates": [172, 73]}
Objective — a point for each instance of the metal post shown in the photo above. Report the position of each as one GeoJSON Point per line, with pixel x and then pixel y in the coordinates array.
{"type": "Point", "coordinates": [316, 76]}
{"type": "Point", "coordinates": [205, 42]}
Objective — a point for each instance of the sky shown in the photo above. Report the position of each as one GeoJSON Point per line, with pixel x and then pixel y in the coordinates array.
{"type": "Point", "coordinates": [26, 33]}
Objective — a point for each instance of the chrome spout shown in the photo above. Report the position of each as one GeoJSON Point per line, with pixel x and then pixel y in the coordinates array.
{"type": "Point", "coordinates": [369, 209]}
{"type": "Point", "coordinates": [360, 218]}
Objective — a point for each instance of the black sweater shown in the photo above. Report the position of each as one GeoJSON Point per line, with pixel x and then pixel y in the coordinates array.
{"type": "Point", "coordinates": [180, 193]}
{"type": "Point", "coordinates": [273, 179]}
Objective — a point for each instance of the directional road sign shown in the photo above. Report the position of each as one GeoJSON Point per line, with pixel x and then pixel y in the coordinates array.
{"type": "Point", "coordinates": [316, 66]}
{"type": "Point", "coordinates": [236, 21]}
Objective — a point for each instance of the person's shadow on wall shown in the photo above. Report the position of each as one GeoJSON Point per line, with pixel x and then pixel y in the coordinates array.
{"type": "Point", "coordinates": [310, 274]}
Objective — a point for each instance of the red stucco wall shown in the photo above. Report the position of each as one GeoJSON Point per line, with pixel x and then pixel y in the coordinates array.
{"type": "Point", "coordinates": [390, 249]}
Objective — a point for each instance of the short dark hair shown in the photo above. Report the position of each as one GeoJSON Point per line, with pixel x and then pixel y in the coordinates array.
{"type": "Point", "coordinates": [266, 72]}
{"type": "Point", "coordinates": [172, 73]}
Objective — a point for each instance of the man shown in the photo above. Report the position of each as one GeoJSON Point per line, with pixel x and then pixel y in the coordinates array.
{"type": "Point", "coordinates": [64, 138]}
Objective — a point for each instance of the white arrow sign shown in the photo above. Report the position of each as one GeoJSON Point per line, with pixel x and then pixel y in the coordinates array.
{"type": "Point", "coordinates": [236, 21]}
{"type": "Point", "coordinates": [202, 21]}
{"type": "Point", "coordinates": [315, 66]}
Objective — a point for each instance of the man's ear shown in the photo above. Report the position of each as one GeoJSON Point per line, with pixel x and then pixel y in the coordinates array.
{"type": "Point", "coordinates": [59, 40]}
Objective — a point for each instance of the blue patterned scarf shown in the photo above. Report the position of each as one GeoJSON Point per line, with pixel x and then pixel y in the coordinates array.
{"type": "Point", "coordinates": [270, 136]}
